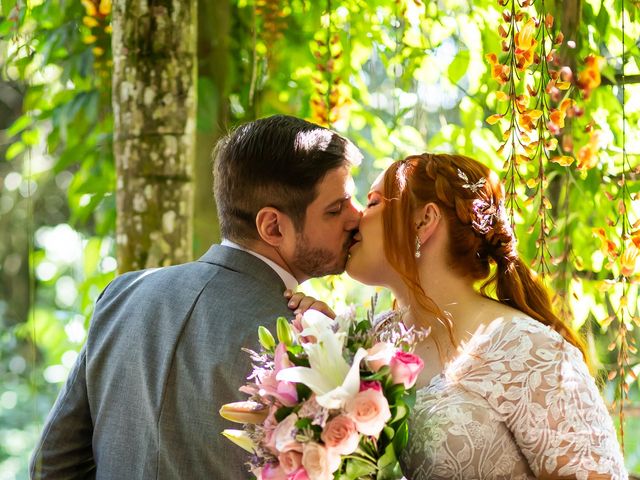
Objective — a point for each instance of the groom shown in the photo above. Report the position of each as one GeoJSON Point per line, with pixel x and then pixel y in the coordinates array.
{"type": "Point", "coordinates": [163, 352]}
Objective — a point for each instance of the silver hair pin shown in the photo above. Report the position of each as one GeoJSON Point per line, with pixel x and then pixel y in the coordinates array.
{"type": "Point", "coordinates": [485, 213]}
{"type": "Point", "coordinates": [474, 187]}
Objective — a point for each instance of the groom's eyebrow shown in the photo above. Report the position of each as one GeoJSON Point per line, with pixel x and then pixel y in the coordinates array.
{"type": "Point", "coordinates": [335, 203]}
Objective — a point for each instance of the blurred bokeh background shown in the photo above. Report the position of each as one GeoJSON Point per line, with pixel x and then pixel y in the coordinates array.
{"type": "Point", "coordinates": [545, 92]}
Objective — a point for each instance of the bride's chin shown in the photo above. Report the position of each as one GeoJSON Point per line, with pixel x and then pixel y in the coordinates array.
{"type": "Point", "coordinates": [357, 273]}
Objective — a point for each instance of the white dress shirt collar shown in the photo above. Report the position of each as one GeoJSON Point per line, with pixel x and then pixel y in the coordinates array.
{"type": "Point", "coordinates": [289, 280]}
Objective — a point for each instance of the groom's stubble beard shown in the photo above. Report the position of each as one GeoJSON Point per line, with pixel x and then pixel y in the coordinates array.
{"type": "Point", "coordinates": [318, 262]}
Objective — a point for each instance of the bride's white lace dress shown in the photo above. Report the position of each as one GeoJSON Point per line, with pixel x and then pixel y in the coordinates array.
{"type": "Point", "coordinates": [518, 402]}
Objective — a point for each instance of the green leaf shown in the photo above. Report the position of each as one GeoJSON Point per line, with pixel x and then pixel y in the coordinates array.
{"type": "Point", "coordinates": [282, 413]}
{"type": "Point", "coordinates": [356, 468]}
{"type": "Point", "coordinates": [401, 411]}
{"type": "Point", "coordinates": [14, 150]}
{"type": "Point", "coordinates": [458, 67]}
{"type": "Point", "coordinates": [5, 28]}
{"type": "Point", "coordinates": [303, 423]}
{"type": "Point", "coordinates": [602, 20]}
{"type": "Point", "coordinates": [401, 437]}
{"type": "Point", "coordinates": [388, 465]}
{"type": "Point", "coordinates": [7, 6]}
{"type": "Point", "coordinates": [388, 458]}
{"type": "Point", "coordinates": [31, 137]}
{"type": "Point", "coordinates": [19, 125]}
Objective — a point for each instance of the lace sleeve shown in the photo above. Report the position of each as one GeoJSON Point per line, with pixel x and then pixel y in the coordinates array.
{"type": "Point", "coordinates": [541, 388]}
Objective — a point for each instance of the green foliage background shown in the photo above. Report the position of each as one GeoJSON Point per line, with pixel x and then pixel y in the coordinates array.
{"type": "Point", "coordinates": [410, 77]}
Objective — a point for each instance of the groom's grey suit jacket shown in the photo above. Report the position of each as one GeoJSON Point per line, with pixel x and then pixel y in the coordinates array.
{"type": "Point", "coordinates": [163, 353]}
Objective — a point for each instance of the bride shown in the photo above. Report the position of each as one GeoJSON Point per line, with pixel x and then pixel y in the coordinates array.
{"type": "Point", "coordinates": [506, 392]}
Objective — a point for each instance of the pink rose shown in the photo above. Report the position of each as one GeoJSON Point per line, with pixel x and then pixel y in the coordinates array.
{"type": "Point", "coordinates": [374, 385]}
{"type": "Point", "coordinates": [369, 410]}
{"type": "Point", "coordinates": [300, 474]}
{"type": "Point", "coordinates": [405, 368]}
{"type": "Point", "coordinates": [319, 462]}
{"type": "Point", "coordinates": [341, 435]}
{"type": "Point", "coordinates": [290, 461]}
{"type": "Point", "coordinates": [284, 436]}
{"type": "Point", "coordinates": [272, 471]}
{"type": "Point", "coordinates": [379, 355]}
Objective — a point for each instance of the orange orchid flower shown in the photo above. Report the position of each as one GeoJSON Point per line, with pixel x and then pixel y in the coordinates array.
{"type": "Point", "coordinates": [557, 118]}
{"type": "Point", "coordinates": [608, 246]}
{"type": "Point", "coordinates": [587, 156]}
{"type": "Point", "coordinates": [527, 120]}
{"type": "Point", "coordinates": [499, 71]}
{"type": "Point", "coordinates": [589, 78]}
{"type": "Point", "coordinates": [525, 42]}
{"type": "Point", "coordinates": [629, 260]}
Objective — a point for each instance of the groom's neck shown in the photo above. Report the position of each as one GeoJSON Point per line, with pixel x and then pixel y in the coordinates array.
{"type": "Point", "coordinates": [270, 252]}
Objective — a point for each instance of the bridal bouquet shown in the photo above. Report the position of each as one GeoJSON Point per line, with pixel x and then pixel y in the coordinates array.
{"type": "Point", "coordinates": [329, 399]}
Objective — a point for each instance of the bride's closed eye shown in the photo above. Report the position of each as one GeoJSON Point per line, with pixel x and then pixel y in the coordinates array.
{"type": "Point", "coordinates": [373, 200]}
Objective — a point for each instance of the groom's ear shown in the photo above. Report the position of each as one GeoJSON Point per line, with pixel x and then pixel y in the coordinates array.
{"type": "Point", "coordinates": [269, 223]}
{"type": "Point", "coordinates": [427, 221]}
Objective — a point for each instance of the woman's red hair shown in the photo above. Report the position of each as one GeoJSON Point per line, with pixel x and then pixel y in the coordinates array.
{"type": "Point", "coordinates": [479, 232]}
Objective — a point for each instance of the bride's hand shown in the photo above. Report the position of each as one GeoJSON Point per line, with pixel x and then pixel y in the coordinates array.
{"type": "Point", "coordinates": [300, 303]}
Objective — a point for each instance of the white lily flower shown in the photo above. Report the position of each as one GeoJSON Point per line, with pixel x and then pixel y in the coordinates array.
{"type": "Point", "coordinates": [314, 323]}
{"type": "Point", "coordinates": [329, 376]}
{"type": "Point", "coordinates": [345, 321]}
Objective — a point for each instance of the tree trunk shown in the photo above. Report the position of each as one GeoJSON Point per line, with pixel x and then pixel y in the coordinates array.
{"type": "Point", "coordinates": [154, 53]}
{"type": "Point", "coordinates": [213, 71]}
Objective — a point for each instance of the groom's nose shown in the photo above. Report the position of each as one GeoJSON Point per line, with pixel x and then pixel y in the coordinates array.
{"type": "Point", "coordinates": [354, 217]}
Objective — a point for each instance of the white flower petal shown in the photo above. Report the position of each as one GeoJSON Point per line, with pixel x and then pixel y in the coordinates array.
{"type": "Point", "coordinates": [337, 397]}
{"type": "Point", "coordinates": [313, 379]}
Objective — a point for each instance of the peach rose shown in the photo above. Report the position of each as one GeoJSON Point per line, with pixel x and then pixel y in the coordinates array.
{"type": "Point", "coordinates": [284, 436]}
{"type": "Point", "coordinates": [290, 461]}
{"type": "Point", "coordinates": [379, 355]}
{"type": "Point", "coordinates": [341, 435]}
{"type": "Point", "coordinates": [369, 410]}
{"type": "Point", "coordinates": [405, 368]}
{"type": "Point", "coordinates": [319, 462]}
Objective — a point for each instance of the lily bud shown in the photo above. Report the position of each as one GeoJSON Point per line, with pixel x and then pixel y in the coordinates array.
{"type": "Point", "coordinates": [265, 338]}
{"type": "Point", "coordinates": [240, 438]}
{"type": "Point", "coordinates": [245, 412]}
{"type": "Point", "coordinates": [284, 331]}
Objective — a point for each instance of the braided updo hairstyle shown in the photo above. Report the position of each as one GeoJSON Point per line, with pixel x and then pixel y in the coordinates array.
{"type": "Point", "coordinates": [471, 202]}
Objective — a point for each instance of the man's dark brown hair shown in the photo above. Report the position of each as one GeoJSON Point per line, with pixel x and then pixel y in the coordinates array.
{"type": "Point", "coordinates": [275, 162]}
